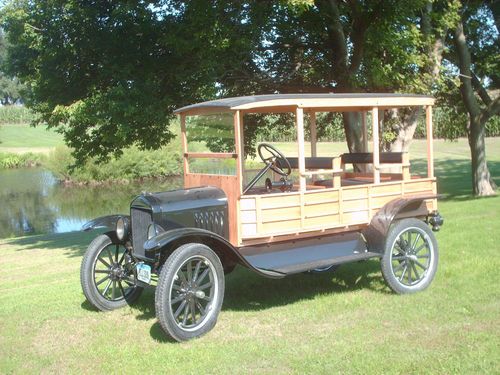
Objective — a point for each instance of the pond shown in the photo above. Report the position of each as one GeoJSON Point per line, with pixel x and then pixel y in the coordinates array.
{"type": "Point", "coordinates": [33, 201]}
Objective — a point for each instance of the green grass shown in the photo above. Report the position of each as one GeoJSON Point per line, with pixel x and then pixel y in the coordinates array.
{"type": "Point", "coordinates": [345, 322]}
{"type": "Point", "coordinates": [25, 138]}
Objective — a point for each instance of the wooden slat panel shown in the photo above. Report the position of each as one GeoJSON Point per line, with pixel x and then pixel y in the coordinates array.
{"type": "Point", "coordinates": [286, 226]}
{"type": "Point", "coordinates": [355, 217]}
{"type": "Point", "coordinates": [247, 203]}
{"type": "Point", "coordinates": [279, 201]}
{"type": "Point", "coordinates": [386, 188]}
{"type": "Point", "coordinates": [316, 222]}
{"type": "Point", "coordinates": [248, 216]}
{"type": "Point", "coordinates": [354, 193]}
{"type": "Point", "coordinates": [378, 202]}
{"type": "Point", "coordinates": [355, 205]}
{"type": "Point", "coordinates": [248, 230]}
{"type": "Point", "coordinates": [211, 155]}
{"type": "Point", "coordinates": [277, 214]}
{"type": "Point", "coordinates": [321, 197]}
{"type": "Point", "coordinates": [321, 210]}
{"type": "Point", "coordinates": [417, 186]}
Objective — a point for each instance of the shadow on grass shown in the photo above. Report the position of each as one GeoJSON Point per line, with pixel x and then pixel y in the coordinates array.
{"type": "Point", "coordinates": [247, 291]}
{"type": "Point", "coordinates": [454, 176]}
{"type": "Point", "coordinates": [75, 243]}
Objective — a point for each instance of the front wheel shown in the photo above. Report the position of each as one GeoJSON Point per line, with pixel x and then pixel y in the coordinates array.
{"type": "Point", "coordinates": [411, 256]}
{"type": "Point", "coordinates": [190, 292]}
{"type": "Point", "coordinates": [107, 275]}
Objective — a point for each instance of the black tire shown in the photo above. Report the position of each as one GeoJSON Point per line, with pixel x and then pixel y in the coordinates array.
{"type": "Point", "coordinates": [179, 292]}
{"type": "Point", "coordinates": [108, 281]}
{"type": "Point", "coordinates": [410, 256]}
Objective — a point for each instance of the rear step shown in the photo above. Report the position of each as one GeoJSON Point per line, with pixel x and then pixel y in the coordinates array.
{"type": "Point", "coordinates": [287, 258]}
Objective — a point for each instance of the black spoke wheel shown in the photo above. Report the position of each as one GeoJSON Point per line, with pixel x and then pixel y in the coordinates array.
{"type": "Point", "coordinates": [411, 256]}
{"type": "Point", "coordinates": [107, 275]}
{"type": "Point", "coordinates": [190, 292]}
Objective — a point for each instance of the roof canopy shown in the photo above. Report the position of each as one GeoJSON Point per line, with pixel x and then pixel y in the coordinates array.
{"type": "Point", "coordinates": [316, 102]}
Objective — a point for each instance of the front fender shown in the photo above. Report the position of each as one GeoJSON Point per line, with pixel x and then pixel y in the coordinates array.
{"type": "Point", "coordinates": [166, 242]}
{"type": "Point", "coordinates": [108, 222]}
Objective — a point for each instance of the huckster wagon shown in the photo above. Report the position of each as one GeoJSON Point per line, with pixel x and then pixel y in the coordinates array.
{"type": "Point", "coordinates": [296, 214]}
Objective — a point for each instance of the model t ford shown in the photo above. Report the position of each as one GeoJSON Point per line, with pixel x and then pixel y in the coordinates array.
{"type": "Point", "coordinates": [297, 213]}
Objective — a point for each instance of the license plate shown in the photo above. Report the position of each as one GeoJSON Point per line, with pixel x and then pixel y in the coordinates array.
{"type": "Point", "coordinates": [144, 273]}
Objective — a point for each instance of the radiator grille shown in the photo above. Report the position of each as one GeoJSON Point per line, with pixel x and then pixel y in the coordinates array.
{"type": "Point", "coordinates": [141, 219]}
{"type": "Point", "coordinates": [210, 220]}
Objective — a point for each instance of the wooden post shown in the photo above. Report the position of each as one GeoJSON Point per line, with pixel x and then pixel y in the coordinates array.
{"type": "Point", "coordinates": [184, 144]}
{"type": "Point", "coordinates": [336, 165]}
{"type": "Point", "coordinates": [405, 168]}
{"type": "Point", "coordinates": [430, 150]}
{"type": "Point", "coordinates": [299, 119]}
{"type": "Point", "coordinates": [365, 131]}
{"type": "Point", "coordinates": [238, 128]}
{"type": "Point", "coordinates": [314, 134]}
{"type": "Point", "coordinates": [376, 154]}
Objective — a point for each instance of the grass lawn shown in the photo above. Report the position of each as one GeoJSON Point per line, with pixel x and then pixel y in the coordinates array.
{"type": "Point", "coordinates": [345, 322]}
{"type": "Point", "coordinates": [24, 138]}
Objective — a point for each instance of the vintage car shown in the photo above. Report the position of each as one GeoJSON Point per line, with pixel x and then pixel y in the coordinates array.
{"type": "Point", "coordinates": [301, 213]}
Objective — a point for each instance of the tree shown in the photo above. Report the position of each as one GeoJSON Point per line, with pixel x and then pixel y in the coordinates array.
{"type": "Point", "coordinates": [108, 74]}
{"type": "Point", "coordinates": [11, 90]}
{"type": "Point", "coordinates": [472, 91]}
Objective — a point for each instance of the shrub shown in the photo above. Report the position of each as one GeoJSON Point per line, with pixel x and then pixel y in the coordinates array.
{"type": "Point", "coordinates": [134, 164]}
{"type": "Point", "coordinates": [10, 160]}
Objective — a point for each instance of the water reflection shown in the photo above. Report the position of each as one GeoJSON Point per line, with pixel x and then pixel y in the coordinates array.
{"type": "Point", "coordinates": [33, 202]}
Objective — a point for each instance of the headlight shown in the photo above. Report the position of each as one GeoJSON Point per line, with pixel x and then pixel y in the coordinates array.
{"type": "Point", "coordinates": [122, 228]}
{"type": "Point", "coordinates": [154, 230]}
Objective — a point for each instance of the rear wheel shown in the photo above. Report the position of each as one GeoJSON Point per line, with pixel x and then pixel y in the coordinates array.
{"type": "Point", "coordinates": [107, 275]}
{"type": "Point", "coordinates": [190, 292]}
{"type": "Point", "coordinates": [411, 256]}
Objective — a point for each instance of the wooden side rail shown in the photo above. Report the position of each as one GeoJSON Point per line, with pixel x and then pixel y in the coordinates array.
{"type": "Point", "coordinates": [335, 170]}
{"type": "Point", "coordinates": [386, 160]}
{"type": "Point", "coordinates": [367, 158]}
{"type": "Point", "coordinates": [210, 155]}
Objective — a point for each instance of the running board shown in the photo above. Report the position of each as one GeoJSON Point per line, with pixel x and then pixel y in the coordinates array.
{"type": "Point", "coordinates": [287, 258]}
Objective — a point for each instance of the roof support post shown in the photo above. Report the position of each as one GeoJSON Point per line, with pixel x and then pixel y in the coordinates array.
{"type": "Point", "coordinates": [314, 134]}
{"type": "Point", "coordinates": [365, 131]}
{"type": "Point", "coordinates": [376, 152]}
{"type": "Point", "coordinates": [299, 119]}
{"type": "Point", "coordinates": [430, 150]}
{"type": "Point", "coordinates": [184, 144]}
{"type": "Point", "coordinates": [238, 147]}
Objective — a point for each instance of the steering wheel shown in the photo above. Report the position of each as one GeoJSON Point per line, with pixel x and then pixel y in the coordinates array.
{"type": "Point", "coordinates": [276, 159]}
{"type": "Point", "coordinates": [276, 162]}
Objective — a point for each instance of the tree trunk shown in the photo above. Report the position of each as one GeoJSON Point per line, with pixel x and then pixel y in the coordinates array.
{"type": "Point", "coordinates": [482, 183]}
{"type": "Point", "coordinates": [353, 131]}
{"type": "Point", "coordinates": [406, 131]}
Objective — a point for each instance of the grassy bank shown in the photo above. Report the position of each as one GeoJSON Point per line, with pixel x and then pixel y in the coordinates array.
{"type": "Point", "coordinates": [24, 146]}
{"type": "Point", "coordinates": [345, 322]}
{"type": "Point", "coordinates": [22, 160]}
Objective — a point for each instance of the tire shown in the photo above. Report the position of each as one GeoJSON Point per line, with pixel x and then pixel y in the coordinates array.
{"type": "Point", "coordinates": [184, 308]}
{"type": "Point", "coordinates": [107, 275]}
{"type": "Point", "coordinates": [410, 257]}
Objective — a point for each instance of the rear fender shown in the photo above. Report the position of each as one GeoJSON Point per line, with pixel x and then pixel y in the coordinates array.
{"type": "Point", "coordinates": [376, 233]}
{"type": "Point", "coordinates": [108, 222]}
